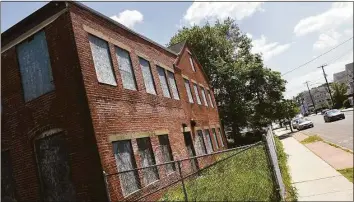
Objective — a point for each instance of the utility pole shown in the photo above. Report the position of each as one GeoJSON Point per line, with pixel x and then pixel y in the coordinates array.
{"type": "Point", "coordinates": [314, 106]}
{"type": "Point", "coordinates": [325, 76]}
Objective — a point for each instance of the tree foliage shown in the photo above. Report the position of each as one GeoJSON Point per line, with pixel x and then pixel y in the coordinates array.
{"type": "Point", "coordinates": [246, 91]}
{"type": "Point", "coordinates": [339, 94]}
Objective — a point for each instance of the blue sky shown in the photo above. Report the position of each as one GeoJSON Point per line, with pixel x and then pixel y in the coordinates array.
{"type": "Point", "coordinates": [288, 34]}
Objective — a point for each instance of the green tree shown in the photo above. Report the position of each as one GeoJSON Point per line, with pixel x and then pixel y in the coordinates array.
{"type": "Point", "coordinates": [339, 94]}
{"type": "Point", "coordinates": [287, 109]}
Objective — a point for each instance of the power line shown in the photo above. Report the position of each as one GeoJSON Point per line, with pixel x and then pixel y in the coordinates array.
{"type": "Point", "coordinates": [332, 61]}
{"type": "Point", "coordinates": [318, 56]}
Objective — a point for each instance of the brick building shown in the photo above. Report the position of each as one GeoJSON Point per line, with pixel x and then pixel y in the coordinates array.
{"type": "Point", "coordinates": [83, 94]}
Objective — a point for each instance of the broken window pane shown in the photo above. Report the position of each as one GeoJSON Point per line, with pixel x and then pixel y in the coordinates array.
{"type": "Point", "coordinates": [125, 160]}
{"type": "Point", "coordinates": [199, 143]}
{"type": "Point", "coordinates": [166, 152]}
{"type": "Point", "coordinates": [215, 138]}
{"type": "Point", "coordinates": [163, 82]}
{"type": "Point", "coordinates": [7, 181]}
{"type": "Point", "coordinates": [204, 97]}
{"type": "Point", "coordinates": [125, 69]}
{"type": "Point", "coordinates": [147, 159]}
{"type": "Point", "coordinates": [171, 79]}
{"type": "Point", "coordinates": [211, 101]}
{"type": "Point", "coordinates": [207, 139]}
{"type": "Point", "coordinates": [147, 76]}
{"type": "Point", "coordinates": [35, 67]}
{"type": "Point", "coordinates": [188, 89]}
{"type": "Point", "coordinates": [102, 61]}
{"type": "Point", "coordinates": [196, 93]}
{"type": "Point", "coordinates": [54, 169]}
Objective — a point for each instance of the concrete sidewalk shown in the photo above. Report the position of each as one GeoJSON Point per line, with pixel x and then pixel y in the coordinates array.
{"type": "Point", "coordinates": [314, 179]}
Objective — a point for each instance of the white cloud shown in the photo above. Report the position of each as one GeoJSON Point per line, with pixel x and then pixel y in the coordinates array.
{"type": "Point", "coordinates": [340, 13]}
{"type": "Point", "coordinates": [201, 11]}
{"type": "Point", "coordinates": [268, 49]}
{"type": "Point", "coordinates": [326, 40]}
{"type": "Point", "coordinates": [129, 18]}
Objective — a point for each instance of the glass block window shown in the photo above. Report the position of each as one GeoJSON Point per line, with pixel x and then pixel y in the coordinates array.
{"type": "Point", "coordinates": [191, 62]}
{"type": "Point", "coordinates": [208, 144]}
{"type": "Point", "coordinates": [188, 89]}
{"type": "Point", "coordinates": [173, 85]}
{"type": "Point", "coordinates": [199, 143]}
{"type": "Point", "coordinates": [204, 97]}
{"type": "Point", "coordinates": [166, 152]}
{"type": "Point", "coordinates": [163, 82]}
{"type": "Point", "coordinates": [102, 61]}
{"type": "Point", "coordinates": [215, 138]}
{"type": "Point", "coordinates": [147, 76]}
{"type": "Point", "coordinates": [35, 68]}
{"type": "Point", "coordinates": [147, 157]}
{"type": "Point", "coordinates": [126, 69]}
{"type": "Point", "coordinates": [123, 153]}
{"type": "Point", "coordinates": [197, 93]}
{"type": "Point", "coordinates": [221, 140]}
{"type": "Point", "coordinates": [210, 99]}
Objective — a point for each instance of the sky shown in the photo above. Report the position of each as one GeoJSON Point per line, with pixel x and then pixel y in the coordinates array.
{"type": "Point", "coordinates": [287, 34]}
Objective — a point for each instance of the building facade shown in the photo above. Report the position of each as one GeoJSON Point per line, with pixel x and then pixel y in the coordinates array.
{"type": "Point", "coordinates": [320, 96]}
{"type": "Point", "coordinates": [82, 95]}
{"type": "Point", "coordinates": [350, 80]}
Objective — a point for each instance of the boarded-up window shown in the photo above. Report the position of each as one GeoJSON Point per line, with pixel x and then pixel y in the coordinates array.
{"type": "Point", "coordinates": [199, 143]}
{"type": "Point", "coordinates": [35, 68]}
{"type": "Point", "coordinates": [211, 100]}
{"type": "Point", "coordinates": [221, 139]}
{"type": "Point", "coordinates": [147, 76]}
{"type": "Point", "coordinates": [166, 152]}
{"type": "Point", "coordinates": [208, 144]}
{"type": "Point", "coordinates": [147, 159]}
{"type": "Point", "coordinates": [196, 93]}
{"type": "Point", "coordinates": [102, 61]}
{"type": "Point", "coordinates": [54, 169]}
{"type": "Point", "coordinates": [188, 89]}
{"type": "Point", "coordinates": [125, 69]}
{"type": "Point", "coordinates": [163, 82]}
{"type": "Point", "coordinates": [7, 181]}
{"type": "Point", "coordinates": [215, 138]}
{"type": "Point", "coordinates": [123, 153]}
{"type": "Point", "coordinates": [204, 97]}
{"type": "Point", "coordinates": [191, 62]}
{"type": "Point", "coordinates": [172, 81]}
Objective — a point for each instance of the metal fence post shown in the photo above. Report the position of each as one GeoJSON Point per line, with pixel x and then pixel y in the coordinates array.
{"type": "Point", "coordinates": [183, 186]}
{"type": "Point", "coordinates": [106, 185]}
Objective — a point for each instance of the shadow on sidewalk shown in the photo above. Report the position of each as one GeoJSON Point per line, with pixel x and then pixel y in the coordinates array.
{"type": "Point", "coordinates": [286, 135]}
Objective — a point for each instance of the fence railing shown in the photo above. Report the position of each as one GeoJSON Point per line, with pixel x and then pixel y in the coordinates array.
{"type": "Point", "coordinates": [183, 179]}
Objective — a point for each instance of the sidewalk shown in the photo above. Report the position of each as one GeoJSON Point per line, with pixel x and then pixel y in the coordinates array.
{"type": "Point", "coordinates": [314, 179]}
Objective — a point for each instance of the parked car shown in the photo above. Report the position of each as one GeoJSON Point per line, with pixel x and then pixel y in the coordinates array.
{"type": "Point", "coordinates": [295, 122]}
{"type": "Point", "coordinates": [324, 111]}
{"type": "Point", "coordinates": [332, 115]}
{"type": "Point", "coordinates": [304, 123]}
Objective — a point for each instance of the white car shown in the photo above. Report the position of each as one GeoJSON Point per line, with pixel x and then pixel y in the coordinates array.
{"type": "Point", "coordinates": [303, 124]}
{"type": "Point", "coordinates": [295, 122]}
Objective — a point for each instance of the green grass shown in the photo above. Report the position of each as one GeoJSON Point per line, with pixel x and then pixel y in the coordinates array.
{"type": "Point", "coordinates": [243, 177]}
{"type": "Point", "coordinates": [336, 146]}
{"type": "Point", "coordinates": [348, 173]}
{"type": "Point", "coordinates": [311, 139]}
{"type": "Point", "coordinates": [291, 193]}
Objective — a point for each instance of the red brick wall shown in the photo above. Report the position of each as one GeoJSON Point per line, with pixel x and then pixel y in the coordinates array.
{"type": "Point", "coordinates": [63, 108]}
{"type": "Point", "coordinates": [115, 110]}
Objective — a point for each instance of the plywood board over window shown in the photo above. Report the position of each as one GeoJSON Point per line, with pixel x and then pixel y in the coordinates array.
{"type": "Point", "coordinates": [199, 143]}
{"type": "Point", "coordinates": [163, 82]}
{"type": "Point", "coordinates": [147, 156]}
{"type": "Point", "coordinates": [166, 152]}
{"type": "Point", "coordinates": [126, 69]}
{"type": "Point", "coordinates": [208, 144]}
{"type": "Point", "coordinates": [147, 76]}
{"type": "Point", "coordinates": [188, 89]}
{"type": "Point", "coordinates": [173, 85]}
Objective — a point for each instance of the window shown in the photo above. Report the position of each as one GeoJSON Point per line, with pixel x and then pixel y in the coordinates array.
{"type": "Point", "coordinates": [199, 143]}
{"type": "Point", "coordinates": [163, 82]}
{"type": "Point", "coordinates": [204, 97]}
{"type": "Point", "coordinates": [215, 138]}
{"type": "Point", "coordinates": [172, 81]}
{"type": "Point", "coordinates": [192, 64]}
{"type": "Point", "coordinates": [221, 139]}
{"type": "Point", "coordinates": [166, 152]}
{"type": "Point", "coordinates": [150, 175]}
{"type": "Point", "coordinates": [147, 76]}
{"type": "Point", "coordinates": [35, 68]}
{"type": "Point", "coordinates": [123, 153]}
{"type": "Point", "coordinates": [211, 100]}
{"type": "Point", "coordinates": [125, 69]}
{"type": "Point", "coordinates": [209, 146]}
{"type": "Point", "coordinates": [196, 93]}
{"type": "Point", "coordinates": [188, 89]}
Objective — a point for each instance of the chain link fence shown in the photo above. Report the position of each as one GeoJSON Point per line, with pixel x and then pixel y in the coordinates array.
{"type": "Point", "coordinates": [244, 173]}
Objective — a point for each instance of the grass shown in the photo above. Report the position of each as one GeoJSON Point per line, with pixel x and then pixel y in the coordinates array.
{"type": "Point", "coordinates": [336, 146]}
{"type": "Point", "coordinates": [243, 177]}
{"type": "Point", "coordinates": [311, 139]}
{"type": "Point", "coordinates": [348, 173]}
{"type": "Point", "coordinates": [291, 193]}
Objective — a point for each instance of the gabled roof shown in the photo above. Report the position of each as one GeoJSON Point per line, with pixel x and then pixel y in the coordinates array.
{"type": "Point", "coordinates": [177, 48]}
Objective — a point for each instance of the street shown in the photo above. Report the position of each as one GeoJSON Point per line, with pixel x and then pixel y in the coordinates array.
{"type": "Point", "coordinates": [337, 132]}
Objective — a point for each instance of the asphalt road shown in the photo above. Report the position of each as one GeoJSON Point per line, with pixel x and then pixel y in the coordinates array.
{"type": "Point", "coordinates": [338, 132]}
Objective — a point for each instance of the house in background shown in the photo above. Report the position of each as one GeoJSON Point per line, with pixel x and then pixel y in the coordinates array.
{"type": "Point", "coordinates": [83, 94]}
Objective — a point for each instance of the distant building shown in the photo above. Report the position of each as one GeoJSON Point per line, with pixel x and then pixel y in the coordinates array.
{"type": "Point", "coordinates": [350, 83]}
{"type": "Point", "coordinates": [340, 77]}
{"type": "Point", "coordinates": [320, 97]}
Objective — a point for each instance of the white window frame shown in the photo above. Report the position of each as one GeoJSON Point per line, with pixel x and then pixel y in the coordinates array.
{"type": "Point", "coordinates": [204, 96]}
{"type": "Point", "coordinates": [188, 90]}
{"type": "Point", "coordinates": [192, 63]}
{"type": "Point", "coordinates": [196, 92]}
